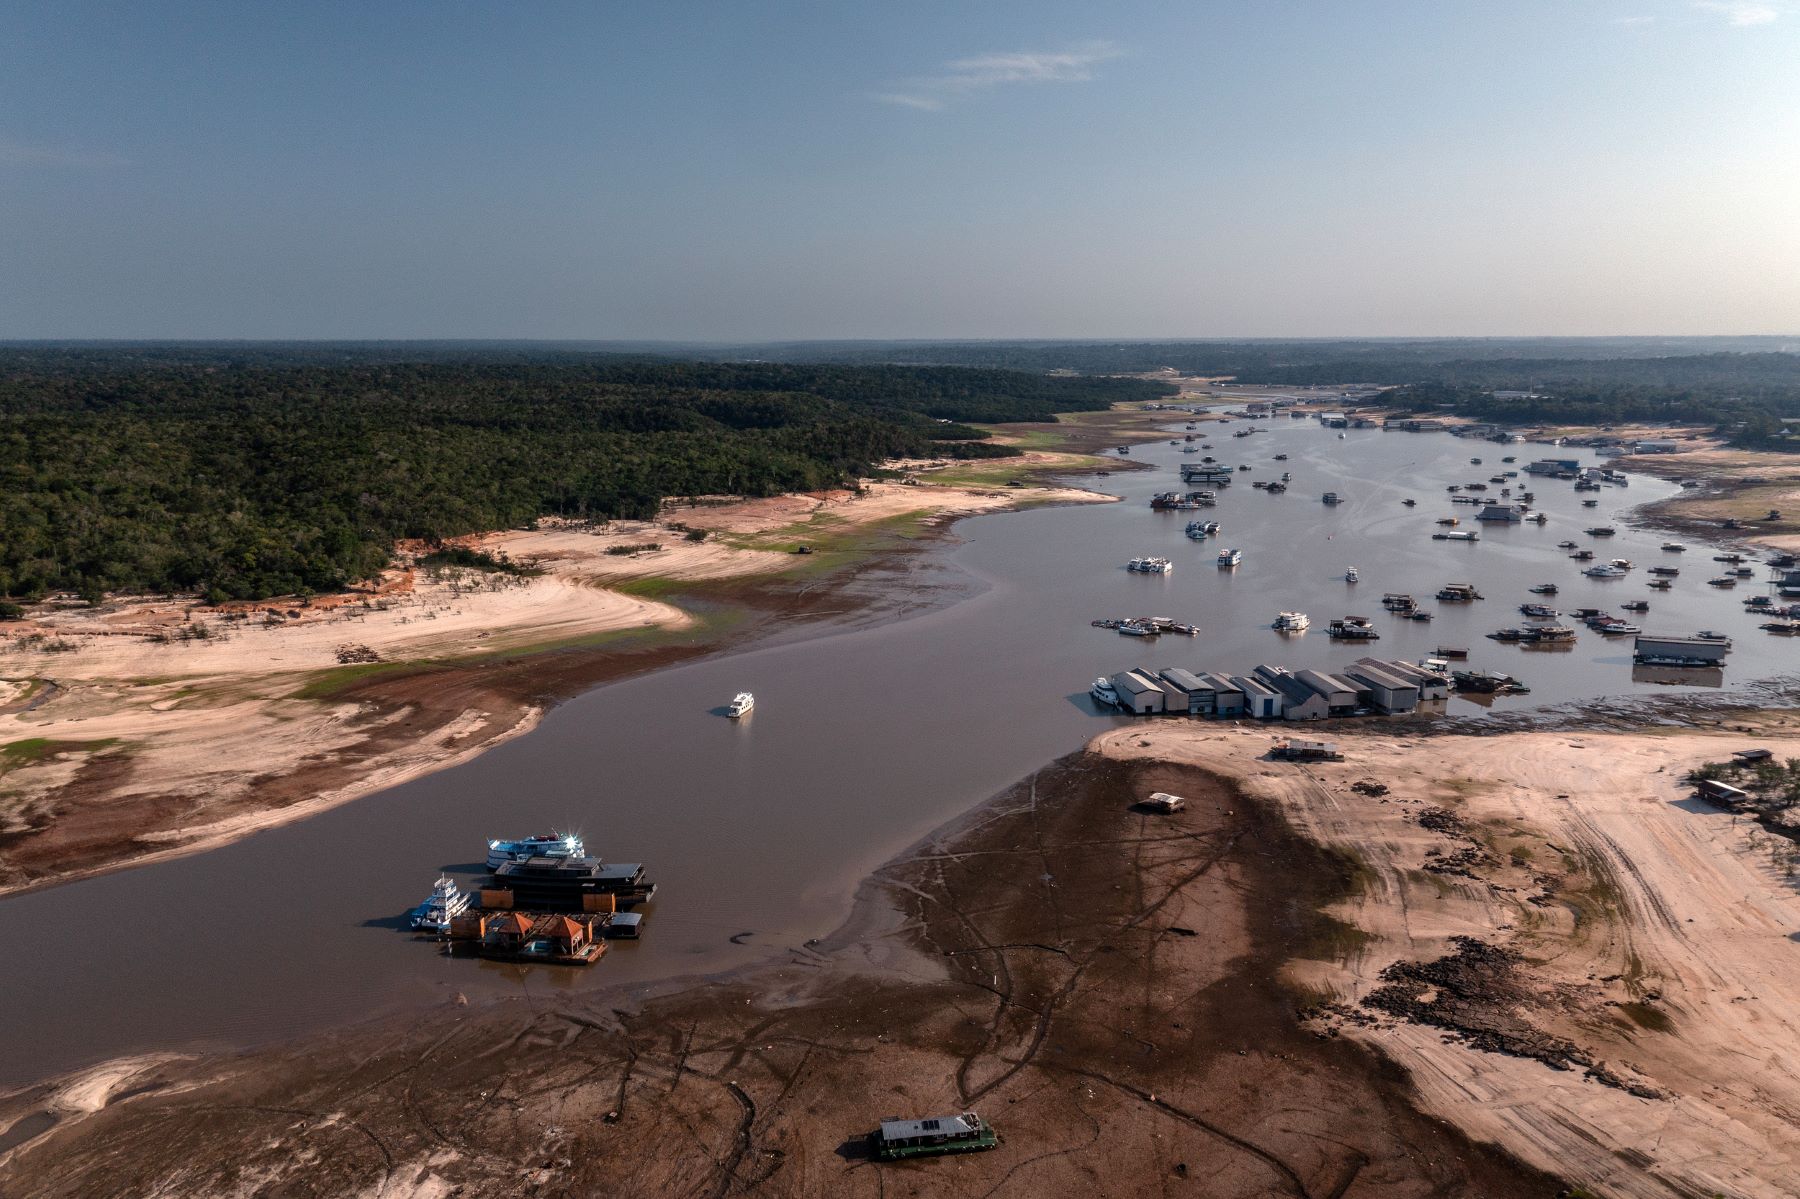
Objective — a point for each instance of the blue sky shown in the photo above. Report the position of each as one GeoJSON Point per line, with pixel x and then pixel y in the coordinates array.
{"type": "Point", "coordinates": [744, 170]}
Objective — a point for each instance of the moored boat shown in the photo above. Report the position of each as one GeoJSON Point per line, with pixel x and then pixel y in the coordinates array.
{"type": "Point", "coordinates": [446, 902]}
{"type": "Point", "coordinates": [1102, 690]}
{"type": "Point", "coordinates": [1291, 622]}
{"type": "Point", "coordinates": [548, 845]}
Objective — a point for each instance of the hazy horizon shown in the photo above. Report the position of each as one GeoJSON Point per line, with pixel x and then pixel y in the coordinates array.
{"type": "Point", "coordinates": [765, 174]}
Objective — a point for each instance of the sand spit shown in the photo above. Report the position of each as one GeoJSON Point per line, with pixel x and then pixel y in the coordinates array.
{"type": "Point", "coordinates": [1098, 982]}
{"type": "Point", "coordinates": [148, 727]}
{"type": "Point", "coordinates": [1571, 957]}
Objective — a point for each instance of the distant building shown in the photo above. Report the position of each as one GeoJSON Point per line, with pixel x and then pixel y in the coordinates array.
{"type": "Point", "coordinates": [1657, 447]}
{"type": "Point", "coordinates": [1553, 466]}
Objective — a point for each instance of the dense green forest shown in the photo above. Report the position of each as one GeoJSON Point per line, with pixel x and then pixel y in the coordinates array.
{"type": "Point", "coordinates": [1749, 416]}
{"type": "Point", "coordinates": [252, 471]}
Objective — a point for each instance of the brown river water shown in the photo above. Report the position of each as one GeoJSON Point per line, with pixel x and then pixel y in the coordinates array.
{"type": "Point", "coordinates": [862, 741]}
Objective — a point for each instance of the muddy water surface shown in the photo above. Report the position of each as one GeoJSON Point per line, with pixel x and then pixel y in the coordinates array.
{"type": "Point", "coordinates": [861, 742]}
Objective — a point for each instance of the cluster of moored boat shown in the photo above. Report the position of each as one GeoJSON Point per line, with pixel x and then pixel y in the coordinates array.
{"type": "Point", "coordinates": [1508, 507]}
{"type": "Point", "coordinates": [1148, 626]}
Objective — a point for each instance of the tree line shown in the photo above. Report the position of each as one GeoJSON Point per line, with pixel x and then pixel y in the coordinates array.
{"type": "Point", "coordinates": [247, 474]}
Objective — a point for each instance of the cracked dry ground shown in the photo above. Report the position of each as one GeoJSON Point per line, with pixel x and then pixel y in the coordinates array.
{"type": "Point", "coordinates": [1097, 981]}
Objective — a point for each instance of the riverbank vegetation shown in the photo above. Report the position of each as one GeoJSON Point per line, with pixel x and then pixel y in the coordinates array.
{"type": "Point", "coordinates": [1747, 416]}
{"type": "Point", "coordinates": [262, 471]}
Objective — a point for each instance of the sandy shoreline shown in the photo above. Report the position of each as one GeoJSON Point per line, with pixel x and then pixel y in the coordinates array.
{"type": "Point", "coordinates": [1294, 943]}
{"type": "Point", "coordinates": [1644, 1040]}
{"type": "Point", "coordinates": [1098, 982]}
{"type": "Point", "coordinates": [145, 729]}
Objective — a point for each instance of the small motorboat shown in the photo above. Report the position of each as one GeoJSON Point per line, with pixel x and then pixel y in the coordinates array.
{"type": "Point", "coordinates": [740, 705]}
{"type": "Point", "coordinates": [1351, 575]}
{"type": "Point", "coordinates": [1544, 589]}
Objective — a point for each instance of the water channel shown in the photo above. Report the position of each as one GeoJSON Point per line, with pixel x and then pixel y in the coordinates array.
{"type": "Point", "coordinates": [862, 741]}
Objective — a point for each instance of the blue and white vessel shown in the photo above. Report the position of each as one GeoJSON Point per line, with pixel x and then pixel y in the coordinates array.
{"type": "Point", "coordinates": [549, 845]}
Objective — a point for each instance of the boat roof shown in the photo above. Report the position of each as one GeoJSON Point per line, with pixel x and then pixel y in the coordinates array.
{"type": "Point", "coordinates": [932, 1126]}
{"type": "Point", "coordinates": [572, 868]}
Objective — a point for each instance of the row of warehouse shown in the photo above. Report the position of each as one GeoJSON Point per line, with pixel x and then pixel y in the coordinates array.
{"type": "Point", "coordinates": [1276, 693]}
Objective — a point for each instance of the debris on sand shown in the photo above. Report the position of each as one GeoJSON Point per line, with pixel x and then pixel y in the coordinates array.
{"type": "Point", "coordinates": [1475, 993]}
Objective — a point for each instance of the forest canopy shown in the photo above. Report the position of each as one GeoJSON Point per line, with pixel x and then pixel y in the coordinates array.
{"type": "Point", "coordinates": [251, 472]}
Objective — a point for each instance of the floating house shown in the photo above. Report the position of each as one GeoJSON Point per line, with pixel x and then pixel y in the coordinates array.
{"type": "Point", "coordinates": [1228, 697]}
{"type": "Point", "coordinates": [1341, 695]}
{"type": "Point", "coordinates": [1293, 749]}
{"type": "Point", "coordinates": [1185, 692]}
{"type": "Point", "coordinates": [1392, 692]}
{"type": "Point", "coordinates": [1277, 693]}
{"type": "Point", "coordinates": [1299, 701]}
{"type": "Point", "coordinates": [1139, 692]}
{"type": "Point", "coordinates": [1431, 685]}
{"type": "Point", "coordinates": [1261, 701]}
{"type": "Point", "coordinates": [1679, 651]}
{"type": "Point", "coordinates": [567, 885]}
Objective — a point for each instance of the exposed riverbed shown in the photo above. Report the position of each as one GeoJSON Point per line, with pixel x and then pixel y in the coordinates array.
{"type": "Point", "coordinates": [862, 741]}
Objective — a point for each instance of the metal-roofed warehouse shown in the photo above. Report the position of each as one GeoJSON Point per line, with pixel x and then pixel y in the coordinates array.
{"type": "Point", "coordinates": [1680, 651]}
{"type": "Point", "coordinates": [1393, 692]}
{"type": "Point", "coordinates": [1139, 692]}
{"type": "Point", "coordinates": [1184, 692]}
{"type": "Point", "coordinates": [1298, 701]}
{"type": "Point", "coordinates": [1340, 693]}
{"type": "Point", "coordinates": [1261, 701]}
{"type": "Point", "coordinates": [1228, 697]}
{"type": "Point", "coordinates": [1431, 685]}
